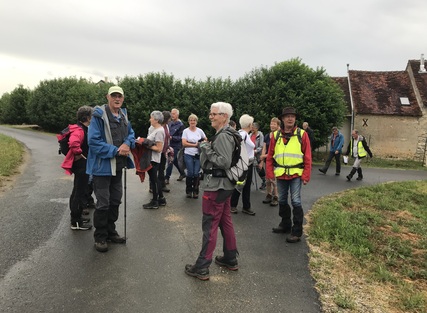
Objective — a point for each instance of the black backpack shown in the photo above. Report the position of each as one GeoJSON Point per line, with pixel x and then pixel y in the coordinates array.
{"type": "Point", "coordinates": [63, 140]}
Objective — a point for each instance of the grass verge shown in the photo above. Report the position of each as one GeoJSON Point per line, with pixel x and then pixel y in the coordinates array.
{"type": "Point", "coordinates": [11, 153]}
{"type": "Point", "coordinates": [368, 248]}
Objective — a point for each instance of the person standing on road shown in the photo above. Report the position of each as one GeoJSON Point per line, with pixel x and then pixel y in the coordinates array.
{"type": "Point", "coordinates": [358, 149]}
{"type": "Point", "coordinates": [245, 122]}
{"type": "Point", "coordinates": [310, 133]}
{"type": "Point", "coordinates": [215, 158]}
{"type": "Point", "coordinates": [110, 138]}
{"type": "Point", "coordinates": [156, 134]}
{"type": "Point", "coordinates": [289, 160]}
{"type": "Point", "coordinates": [335, 150]}
{"type": "Point", "coordinates": [191, 138]}
{"type": "Point", "coordinates": [272, 197]}
{"type": "Point", "coordinates": [257, 138]}
{"type": "Point", "coordinates": [176, 127]}
{"type": "Point", "coordinates": [75, 163]}
{"type": "Point", "coordinates": [165, 152]}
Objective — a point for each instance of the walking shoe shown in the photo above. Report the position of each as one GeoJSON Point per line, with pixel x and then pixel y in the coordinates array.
{"type": "Point", "coordinates": [80, 226]}
{"type": "Point", "coordinates": [200, 273]}
{"type": "Point", "coordinates": [116, 238]}
{"type": "Point", "coordinates": [189, 195]}
{"type": "Point", "coordinates": [337, 174]}
{"type": "Point", "coordinates": [348, 177]}
{"type": "Point", "coordinates": [267, 199]}
{"type": "Point", "coordinates": [274, 202]}
{"type": "Point", "coordinates": [248, 211]}
{"type": "Point", "coordinates": [281, 230]}
{"type": "Point", "coordinates": [263, 186]}
{"type": "Point", "coordinates": [233, 210]}
{"type": "Point", "coordinates": [181, 177]}
{"type": "Point", "coordinates": [151, 205]}
{"type": "Point", "coordinates": [322, 171]}
{"type": "Point", "coordinates": [101, 246]}
{"type": "Point", "coordinates": [195, 195]}
{"type": "Point", "coordinates": [293, 239]}
{"type": "Point", "coordinates": [229, 264]}
{"type": "Point", "coordinates": [359, 178]}
{"type": "Point", "coordinates": [162, 201]}
{"type": "Point", "coordinates": [166, 189]}
{"type": "Point", "coordinates": [167, 181]}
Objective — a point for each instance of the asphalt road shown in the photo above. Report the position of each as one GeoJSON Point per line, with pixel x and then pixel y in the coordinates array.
{"type": "Point", "coordinates": [47, 267]}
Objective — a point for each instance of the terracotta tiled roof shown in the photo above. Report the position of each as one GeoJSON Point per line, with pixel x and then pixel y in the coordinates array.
{"type": "Point", "coordinates": [343, 83]}
{"type": "Point", "coordinates": [379, 93]}
{"type": "Point", "coordinates": [420, 79]}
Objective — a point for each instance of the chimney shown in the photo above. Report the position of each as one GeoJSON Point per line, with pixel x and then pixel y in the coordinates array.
{"type": "Point", "coordinates": [422, 67]}
{"type": "Point", "coordinates": [106, 78]}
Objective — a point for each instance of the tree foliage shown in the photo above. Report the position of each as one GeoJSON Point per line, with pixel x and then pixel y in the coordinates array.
{"type": "Point", "coordinates": [262, 93]}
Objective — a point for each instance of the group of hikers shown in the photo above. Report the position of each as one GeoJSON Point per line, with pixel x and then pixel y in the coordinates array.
{"type": "Point", "coordinates": [102, 143]}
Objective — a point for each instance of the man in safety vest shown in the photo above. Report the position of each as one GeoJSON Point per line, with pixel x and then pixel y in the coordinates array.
{"type": "Point", "coordinates": [289, 160]}
{"type": "Point", "coordinates": [358, 149]}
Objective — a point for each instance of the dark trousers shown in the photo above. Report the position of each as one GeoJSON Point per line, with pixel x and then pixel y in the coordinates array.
{"type": "Point", "coordinates": [78, 198]}
{"type": "Point", "coordinates": [216, 215]}
{"type": "Point", "coordinates": [162, 167]}
{"type": "Point", "coordinates": [108, 191]}
{"type": "Point", "coordinates": [246, 192]}
{"type": "Point", "coordinates": [155, 184]}
{"type": "Point", "coordinates": [337, 161]}
{"type": "Point", "coordinates": [175, 162]}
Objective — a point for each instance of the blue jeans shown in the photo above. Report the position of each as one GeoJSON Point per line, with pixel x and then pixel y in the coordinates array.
{"type": "Point", "coordinates": [193, 165]}
{"type": "Point", "coordinates": [283, 188]}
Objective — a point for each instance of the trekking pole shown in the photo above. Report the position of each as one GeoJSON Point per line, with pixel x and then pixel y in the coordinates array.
{"type": "Point", "coordinates": [254, 176]}
{"type": "Point", "coordinates": [125, 187]}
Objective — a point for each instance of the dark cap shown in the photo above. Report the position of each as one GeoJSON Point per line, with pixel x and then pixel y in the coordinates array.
{"type": "Point", "coordinates": [288, 110]}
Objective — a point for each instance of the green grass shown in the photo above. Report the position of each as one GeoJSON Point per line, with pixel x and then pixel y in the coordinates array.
{"type": "Point", "coordinates": [382, 231]}
{"type": "Point", "coordinates": [10, 155]}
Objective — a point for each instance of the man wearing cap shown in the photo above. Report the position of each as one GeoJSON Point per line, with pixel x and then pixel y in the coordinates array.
{"type": "Point", "coordinates": [289, 160]}
{"type": "Point", "coordinates": [110, 138]}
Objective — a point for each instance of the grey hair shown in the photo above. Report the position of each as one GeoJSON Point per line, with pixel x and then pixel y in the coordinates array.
{"type": "Point", "coordinates": [246, 120]}
{"type": "Point", "coordinates": [157, 115]}
{"type": "Point", "coordinates": [84, 113]}
{"type": "Point", "coordinates": [176, 110]}
{"type": "Point", "coordinates": [256, 125]}
{"type": "Point", "coordinates": [223, 107]}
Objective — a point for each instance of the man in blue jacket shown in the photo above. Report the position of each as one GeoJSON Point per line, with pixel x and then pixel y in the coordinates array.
{"type": "Point", "coordinates": [176, 127]}
{"type": "Point", "coordinates": [110, 138]}
{"type": "Point", "coordinates": [335, 150]}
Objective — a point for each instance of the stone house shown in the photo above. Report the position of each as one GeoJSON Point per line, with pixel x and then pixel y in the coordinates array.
{"type": "Point", "coordinates": [389, 109]}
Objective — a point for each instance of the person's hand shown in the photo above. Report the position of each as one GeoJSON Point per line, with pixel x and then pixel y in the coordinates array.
{"type": "Point", "coordinates": [304, 182]}
{"type": "Point", "coordinates": [336, 152]}
{"type": "Point", "coordinates": [123, 150]}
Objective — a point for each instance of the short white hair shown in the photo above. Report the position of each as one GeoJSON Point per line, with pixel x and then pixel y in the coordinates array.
{"type": "Point", "coordinates": [246, 120]}
{"type": "Point", "coordinates": [157, 115]}
{"type": "Point", "coordinates": [223, 107]}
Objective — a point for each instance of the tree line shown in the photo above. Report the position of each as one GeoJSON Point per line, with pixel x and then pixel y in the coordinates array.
{"type": "Point", "coordinates": [262, 93]}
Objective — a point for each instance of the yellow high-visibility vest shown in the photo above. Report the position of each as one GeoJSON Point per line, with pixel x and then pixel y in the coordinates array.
{"type": "Point", "coordinates": [288, 159]}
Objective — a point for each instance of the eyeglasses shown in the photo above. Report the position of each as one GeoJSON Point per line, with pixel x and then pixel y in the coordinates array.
{"type": "Point", "coordinates": [215, 114]}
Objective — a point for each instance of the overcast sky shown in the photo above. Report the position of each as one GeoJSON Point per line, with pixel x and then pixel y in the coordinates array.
{"type": "Point", "coordinates": [47, 39]}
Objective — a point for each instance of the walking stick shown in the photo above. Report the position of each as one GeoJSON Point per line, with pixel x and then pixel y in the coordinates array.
{"type": "Point", "coordinates": [254, 177]}
{"type": "Point", "coordinates": [125, 187]}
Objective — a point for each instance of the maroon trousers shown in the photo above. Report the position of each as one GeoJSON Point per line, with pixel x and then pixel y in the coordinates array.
{"type": "Point", "coordinates": [216, 215]}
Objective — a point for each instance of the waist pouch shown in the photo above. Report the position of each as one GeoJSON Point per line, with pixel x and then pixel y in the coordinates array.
{"type": "Point", "coordinates": [216, 172]}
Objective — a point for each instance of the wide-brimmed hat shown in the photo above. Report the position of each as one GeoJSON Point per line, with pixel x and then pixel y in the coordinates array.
{"type": "Point", "coordinates": [288, 110]}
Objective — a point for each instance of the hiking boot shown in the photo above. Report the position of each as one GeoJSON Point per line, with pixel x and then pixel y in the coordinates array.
{"type": "Point", "coordinates": [321, 170]}
{"type": "Point", "coordinates": [153, 204]}
{"type": "Point", "coordinates": [181, 177]}
{"type": "Point", "coordinates": [162, 201]}
{"type": "Point", "coordinates": [200, 273]}
{"type": "Point", "coordinates": [274, 202]}
{"type": "Point", "coordinates": [166, 189]}
{"type": "Point", "coordinates": [281, 230]}
{"type": "Point", "coordinates": [229, 264]}
{"type": "Point", "coordinates": [293, 239]}
{"type": "Point", "coordinates": [80, 226]}
{"type": "Point", "coordinates": [233, 210]}
{"type": "Point", "coordinates": [116, 238]}
{"type": "Point", "coordinates": [267, 199]}
{"type": "Point", "coordinates": [101, 246]}
{"type": "Point", "coordinates": [248, 211]}
{"type": "Point", "coordinates": [337, 174]}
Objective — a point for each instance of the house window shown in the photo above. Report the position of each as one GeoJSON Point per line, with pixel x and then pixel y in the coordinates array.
{"type": "Point", "coordinates": [404, 101]}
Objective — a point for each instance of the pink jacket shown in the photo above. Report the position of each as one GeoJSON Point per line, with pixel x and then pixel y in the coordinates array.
{"type": "Point", "coordinates": [76, 139]}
